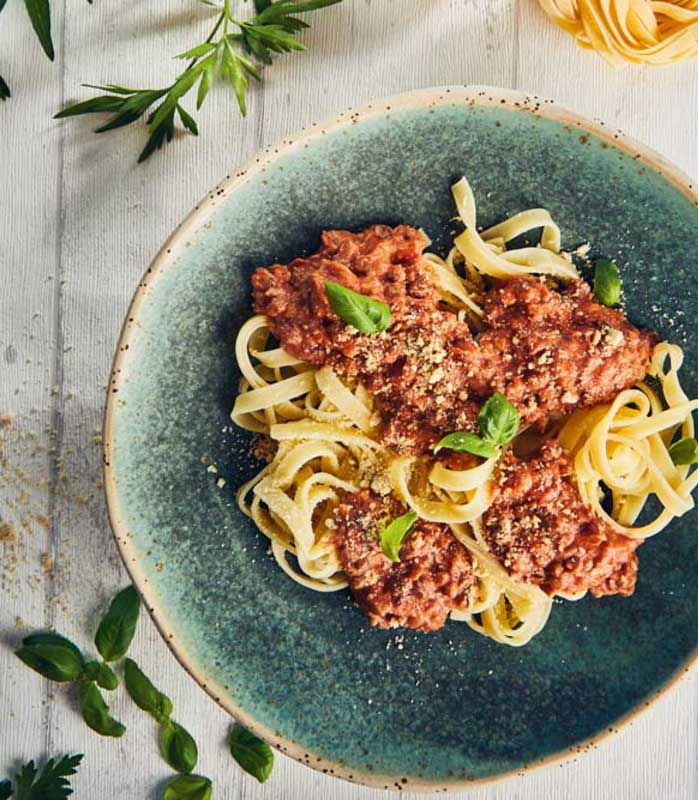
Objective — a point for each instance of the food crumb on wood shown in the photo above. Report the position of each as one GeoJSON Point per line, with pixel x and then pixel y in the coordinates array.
{"type": "Point", "coordinates": [47, 563]}
{"type": "Point", "coordinates": [8, 534]}
{"type": "Point", "coordinates": [5, 420]}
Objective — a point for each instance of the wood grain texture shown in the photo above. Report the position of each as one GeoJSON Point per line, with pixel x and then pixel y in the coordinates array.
{"type": "Point", "coordinates": [80, 222]}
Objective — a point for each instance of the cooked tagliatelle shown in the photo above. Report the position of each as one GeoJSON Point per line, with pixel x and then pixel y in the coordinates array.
{"type": "Point", "coordinates": [326, 429]}
{"type": "Point", "coordinates": [653, 32]}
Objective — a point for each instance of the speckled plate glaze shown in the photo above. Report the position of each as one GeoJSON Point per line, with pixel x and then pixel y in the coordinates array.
{"type": "Point", "coordinates": [304, 670]}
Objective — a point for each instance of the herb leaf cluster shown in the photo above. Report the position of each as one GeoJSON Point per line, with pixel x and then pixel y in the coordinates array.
{"type": "Point", "coordinates": [232, 51]}
{"type": "Point", "coordinates": [498, 421]}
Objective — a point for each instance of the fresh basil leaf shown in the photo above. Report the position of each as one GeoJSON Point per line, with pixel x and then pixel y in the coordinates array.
{"type": "Point", "coordinates": [52, 656]}
{"type": "Point", "coordinates": [684, 451]}
{"type": "Point", "coordinates": [5, 790]}
{"type": "Point", "coordinates": [118, 625]}
{"type": "Point", "coordinates": [606, 282]}
{"type": "Point", "coordinates": [464, 442]}
{"type": "Point", "coordinates": [144, 694]}
{"type": "Point", "coordinates": [188, 787]}
{"type": "Point", "coordinates": [251, 753]}
{"type": "Point", "coordinates": [498, 420]}
{"type": "Point", "coordinates": [95, 711]}
{"type": "Point", "coordinates": [40, 15]}
{"type": "Point", "coordinates": [394, 535]}
{"type": "Point", "coordinates": [363, 313]}
{"type": "Point", "coordinates": [177, 747]}
{"type": "Point", "coordinates": [102, 674]}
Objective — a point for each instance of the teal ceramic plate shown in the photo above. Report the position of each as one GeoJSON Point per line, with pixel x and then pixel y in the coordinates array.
{"type": "Point", "coordinates": [305, 670]}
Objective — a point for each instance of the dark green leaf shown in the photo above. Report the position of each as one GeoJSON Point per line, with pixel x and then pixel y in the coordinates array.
{"type": "Point", "coordinates": [498, 420]}
{"type": "Point", "coordinates": [260, 5]}
{"type": "Point", "coordinates": [95, 105]}
{"type": "Point", "coordinates": [607, 284]}
{"type": "Point", "coordinates": [95, 711]}
{"type": "Point", "coordinates": [684, 451]}
{"type": "Point", "coordinates": [188, 787]}
{"type": "Point", "coordinates": [2, 4]}
{"type": "Point", "coordinates": [106, 678]}
{"type": "Point", "coordinates": [177, 747]}
{"type": "Point", "coordinates": [40, 15]}
{"type": "Point", "coordinates": [111, 87]}
{"type": "Point", "coordinates": [52, 656]}
{"type": "Point", "coordinates": [363, 313]}
{"type": "Point", "coordinates": [276, 11]}
{"type": "Point", "coordinates": [118, 625]}
{"type": "Point", "coordinates": [119, 121]}
{"type": "Point", "coordinates": [5, 790]}
{"type": "Point", "coordinates": [155, 142]}
{"type": "Point", "coordinates": [52, 783]}
{"type": "Point", "coordinates": [188, 121]}
{"type": "Point", "coordinates": [144, 694]}
{"type": "Point", "coordinates": [275, 37]}
{"type": "Point", "coordinates": [24, 780]}
{"type": "Point", "coordinates": [464, 442]}
{"type": "Point", "coordinates": [395, 534]}
{"type": "Point", "coordinates": [251, 753]}
{"type": "Point", "coordinates": [4, 90]}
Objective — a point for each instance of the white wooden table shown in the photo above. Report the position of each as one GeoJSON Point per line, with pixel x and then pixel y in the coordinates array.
{"type": "Point", "coordinates": [79, 222]}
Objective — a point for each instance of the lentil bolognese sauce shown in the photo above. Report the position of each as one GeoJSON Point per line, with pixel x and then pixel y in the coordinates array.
{"type": "Point", "coordinates": [464, 437]}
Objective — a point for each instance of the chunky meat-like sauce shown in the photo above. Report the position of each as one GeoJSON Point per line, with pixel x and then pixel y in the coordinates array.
{"type": "Point", "coordinates": [434, 575]}
{"type": "Point", "coordinates": [548, 351]}
{"type": "Point", "coordinates": [542, 532]}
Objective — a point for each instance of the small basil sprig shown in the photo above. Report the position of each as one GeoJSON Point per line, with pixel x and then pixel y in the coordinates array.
{"type": "Point", "coordinates": [684, 451]}
{"type": "Point", "coordinates": [118, 625]}
{"type": "Point", "coordinates": [51, 784]}
{"type": "Point", "coordinates": [58, 659]}
{"type": "Point", "coordinates": [144, 694]}
{"type": "Point", "coordinates": [251, 753]}
{"type": "Point", "coordinates": [395, 534]}
{"type": "Point", "coordinates": [607, 283]}
{"type": "Point", "coordinates": [188, 787]}
{"type": "Point", "coordinates": [498, 421]}
{"type": "Point", "coordinates": [177, 746]}
{"type": "Point", "coordinates": [95, 711]}
{"type": "Point", "coordinates": [361, 312]}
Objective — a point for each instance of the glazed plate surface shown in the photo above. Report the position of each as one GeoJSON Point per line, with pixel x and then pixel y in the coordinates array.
{"type": "Point", "coordinates": [304, 669]}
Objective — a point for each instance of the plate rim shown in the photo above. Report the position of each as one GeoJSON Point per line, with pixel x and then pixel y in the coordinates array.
{"type": "Point", "coordinates": [474, 95]}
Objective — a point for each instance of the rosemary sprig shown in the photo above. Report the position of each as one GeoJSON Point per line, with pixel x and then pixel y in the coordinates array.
{"type": "Point", "coordinates": [229, 51]}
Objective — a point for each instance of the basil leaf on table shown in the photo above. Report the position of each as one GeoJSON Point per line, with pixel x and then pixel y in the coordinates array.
{"type": "Point", "coordinates": [606, 282]}
{"type": "Point", "coordinates": [118, 625]}
{"type": "Point", "coordinates": [361, 312]}
{"type": "Point", "coordinates": [464, 442]}
{"type": "Point", "coordinates": [251, 753]}
{"type": "Point", "coordinates": [395, 534]}
{"type": "Point", "coordinates": [498, 420]}
{"type": "Point", "coordinates": [95, 711]}
{"type": "Point", "coordinates": [52, 656]}
{"type": "Point", "coordinates": [102, 674]}
{"type": "Point", "coordinates": [144, 694]}
{"type": "Point", "coordinates": [684, 451]}
{"type": "Point", "coordinates": [40, 15]}
{"type": "Point", "coordinates": [188, 787]}
{"type": "Point", "coordinates": [177, 747]}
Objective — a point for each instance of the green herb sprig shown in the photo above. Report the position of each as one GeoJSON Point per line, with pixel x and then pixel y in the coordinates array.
{"type": "Point", "coordinates": [498, 421]}
{"type": "Point", "coordinates": [361, 312]}
{"type": "Point", "coordinates": [49, 784]}
{"type": "Point", "coordinates": [230, 51]}
{"type": "Point", "coordinates": [394, 535]}
{"type": "Point", "coordinates": [58, 659]}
